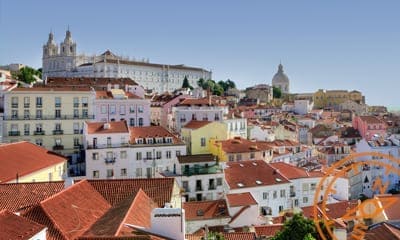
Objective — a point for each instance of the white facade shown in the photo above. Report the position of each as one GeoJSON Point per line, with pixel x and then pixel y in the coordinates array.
{"type": "Point", "coordinates": [169, 222]}
{"type": "Point", "coordinates": [237, 127]}
{"type": "Point", "coordinates": [249, 216]}
{"type": "Point", "coordinates": [303, 107]}
{"type": "Point", "coordinates": [261, 133]}
{"type": "Point", "coordinates": [65, 62]}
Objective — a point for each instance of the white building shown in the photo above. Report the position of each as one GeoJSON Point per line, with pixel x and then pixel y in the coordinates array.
{"type": "Point", "coordinates": [114, 150]}
{"type": "Point", "coordinates": [63, 61]}
{"type": "Point", "coordinates": [261, 133]}
{"type": "Point", "coordinates": [199, 176]}
{"type": "Point", "coordinates": [236, 126]}
{"type": "Point", "coordinates": [303, 107]}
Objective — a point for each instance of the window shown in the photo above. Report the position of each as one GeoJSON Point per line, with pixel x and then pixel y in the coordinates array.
{"type": "Point", "coordinates": [158, 154]}
{"type": "Point", "coordinates": [39, 142]}
{"type": "Point", "coordinates": [57, 141]}
{"type": "Point", "coordinates": [138, 156]}
{"type": "Point", "coordinates": [76, 102]}
{"type": "Point", "coordinates": [275, 194]}
{"type": "Point", "coordinates": [84, 113]}
{"type": "Point", "coordinates": [203, 142]}
{"type": "Point", "coordinates": [283, 193]}
{"type": "Point", "coordinates": [95, 156]}
{"type": "Point", "coordinates": [76, 113]}
{"type": "Point", "coordinates": [252, 155]}
{"type": "Point", "coordinates": [57, 126]}
{"type": "Point", "coordinates": [313, 186]}
{"type": "Point", "coordinates": [14, 102]}
{"type": "Point", "coordinates": [138, 172]}
{"type": "Point", "coordinates": [131, 122]}
{"type": "Point", "coordinates": [123, 172]}
{"type": "Point", "coordinates": [14, 114]}
{"type": "Point", "coordinates": [219, 181]}
{"type": "Point", "coordinates": [103, 109]}
{"type": "Point", "coordinates": [265, 195]}
{"type": "Point", "coordinates": [76, 142]}
{"type": "Point", "coordinates": [148, 155]}
{"type": "Point", "coordinates": [238, 157]}
{"type": "Point", "coordinates": [57, 102]}
{"type": "Point", "coordinates": [96, 174]}
{"type": "Point", "coordinates": [123, 155]}
{"type": "Point", "coordinates": [57, 113]}
{"type": "Point", "coordinates": [140, 122]}
{"type": "Point", "coordinates": [108, 141]}
{"type": "Point", "coordinates": [122, 109]}
{"type": "Point", "coordinates": [26, 102]}
{"type": "Point", "coordinates": [38, 113]}
{"type": "Point", "coordinates": [112, 109]}
{"type": "Point", "coordinates": [76, 128]}
{"type": "Point", "coordinates": [39, 127]}
{"type": "Point", "coordinates": [84, 102]}
{"type": "Point", "coordinates": [26, 129]}
{"type": "Point", "coordinates": [149, 141]}
{"type": "Point", "coordinates": [26, 114]}
{"type": "Point", "coordinates": [231, 158]}
{"type": "Point", "coordinates": [305, 199]}
{"type": "Point", "coordinates": [305, 187]}
{"type": "Point", "coordinates": [216, 117]}
{"type": "Point", "coordinates": [168, 154]}
{"type": "Point", "coordinates": [38, 101]}
{"type": "Point", "coordinates": [280, 209]}
{"type": "Point", "coordinates": [132, 109]}
{"type": "Point", "coordinates": [177, 153]}
{"type": "Point", "coordinates": [140, 109]}
{"type": "Point", "coordinates": [110, 173]}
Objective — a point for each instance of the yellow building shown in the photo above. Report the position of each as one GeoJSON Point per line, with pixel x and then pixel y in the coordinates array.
{"type": "Point", "coordinates": [332, 98]}
{"type": "Point", "coordinates": [49, 117]}
{"type": "Point", "coordinates": [238, 149]}
{"type": "Point", "coordinates": [197, 134]}
{"type": "Point", "coordinates": [27, 162]}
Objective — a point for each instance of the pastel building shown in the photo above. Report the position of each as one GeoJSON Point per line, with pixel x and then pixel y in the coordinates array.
{"type": "Point", "coordinates": [26, 162]}
{"type": "Point", "coordinates": [369, 127]}
{"type": "Point", "coordinates": [162, 108]}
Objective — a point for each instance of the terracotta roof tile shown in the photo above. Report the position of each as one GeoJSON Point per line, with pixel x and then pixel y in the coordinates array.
{"type": "Point", "coordinates": [240, 199]}
{"type": "Point", "coordinates": [268, 230]}
{"type": "Point", "coordinates": [23, 158]}
{"type": "Point", "coordinates": [152, 132]}
{"type": "Point", "coordinates": [198, 101]}
{"type": "Point", "coordinates": [246, 174]}
{"type": "Point", "coordinates": [382, 231]}
{"type": "Point", "coordinates": [242, 145]}
{"type": "Point", "coordinates": [52, 89]}
{"type": "Point", "coordinates": [112, 127]}
{"type": "Point", "coordinates": [371, 120]}
{"type": "Point", "coordinates": [239, 236]}
{"type": "Point", "coordinates": [292, 172]}
{"type": "Point", "coordinates": [196, 158]}
{"type": "Point", "coordinates": [390, 205]}
{"type": "Point", "coordinates": [17, 227]}
{"type": "Point", "coordinates": [75, 209]}
{"type": "Point", "coordinates": [205, 210]}
{"type": "Point", "coordinates": [19, 197]}
{"type": "Point", "coordinates": [334, 210]}
{"type": "Point", "coordinates": [194, 124]}
{"type": "Point", "coordinates": [114, 190]}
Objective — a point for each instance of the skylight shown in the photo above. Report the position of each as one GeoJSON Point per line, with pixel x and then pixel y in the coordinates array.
{"type": "Point", "coordinates": [278, 179]}
{"type": "Point", "coordinates": [240, 185]}
{"type": "Point", "coordinates": [258, 182]}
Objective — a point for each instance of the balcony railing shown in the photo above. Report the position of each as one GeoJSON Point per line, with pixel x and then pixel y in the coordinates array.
{"type": "Point", "coordinates": [14, 105]}
{"type": "Point", "coordinates": [199, 188]}
{"type": "Point", "coordinates": [50, 117]}
{"type": "Point", "coordinates": [212, 187]}
{"type": "Point", "coordinates": [26, 105]}
{"type": "Point", "coordinates": [41, 132]}
{"type": "Point", "coordinates": [109, 160]}
{"type": "Point", "coordinates": [79, 146]}
{"type": "Point", "coordinates": [292, 194]}
{"type": "Point", "coordinates": [100, 146]}
{"type": "Point", "coordinates": [76, 105]}
{"type": "Point", "coordinates": [14, 133]}
{"type": "Point", "coordinates": [39, 105]}
{"type": "Point", "coordinates": [58, 147]}
{"type": "Point", "coordinates": [57, 105]}
{"type": "Point", "coordinates": [58, 132]}
{"type": "Point", "coordinates": [198, 170]}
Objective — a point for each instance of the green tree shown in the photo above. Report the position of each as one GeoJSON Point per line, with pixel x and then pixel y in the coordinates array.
{"type": "Point", "coordinates": [217, 90]}
{"type": "Point", "coordinates": [214, 236]}
{"type": "Point", "coordinates": [277, 93]}
{"type": "Point", "coordinates": [309, 237]}
{"type": "Point", "coordinates": [223, 85]}
{"type": "Point", "coordinates": [26, 74]}
{"type": "Point", "coordinates": [297, 228]}
{"type": "Point", "coordinates": [230, 84]}
{"type": "Point", "coordinates": [186, 83]}
{"type": "Point", "coordinates": [201, 82]}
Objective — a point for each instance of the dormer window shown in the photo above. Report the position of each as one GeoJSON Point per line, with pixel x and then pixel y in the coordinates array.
{"type": "Point", "coordinates": [149, 140]}
{"type": "Point", "coordinates": [159, 140]}
{"type": "Point", "coordinates": [139, 141]}
{"type": "Point", "coordinates": [168, 139]}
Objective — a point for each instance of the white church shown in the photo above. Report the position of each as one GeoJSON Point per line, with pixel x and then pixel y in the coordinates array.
{"type": "Point", "coordinates": [63, 61]}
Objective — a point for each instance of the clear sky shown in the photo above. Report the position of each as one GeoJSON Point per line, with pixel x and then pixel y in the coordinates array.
{"type": "Point", "coordinates": [322, 44]}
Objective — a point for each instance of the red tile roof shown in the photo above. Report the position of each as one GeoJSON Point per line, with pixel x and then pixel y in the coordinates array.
{"type": "Point", "coordinates": [292, 172]}
{"type": "Point", "coordinates": [197, 101]}
{"type": "Point", "coordinates": [205, 210]}
{"type": "Point", "coordinates": [152, 132]}
{"type": "Point", "coordinates": [194, 124]}
{"type": "Point", "coordinates": [23, 158]}
{"type": "Point", "coordinates": [333, 210]}
{"type": "Point", "coordinates": [371, 120]}
{"type": "Point", "coordinates": [390, 204]}
{"type": "Point", "coordinates": [242, 145]}
{"type": "Point", "coordinates": [382, 231]}
{"type": "Point", "coordinates": [112, 127]}
{"type": "Point", "coordinates": [134, 210]}
{"type": "Point", "coordinates": [53, 89]}
{"type": "Point", "coordinates": [246, 174]}
{"type": "Point", "coordinates": [239, 236]}
{"type": "Point", "coordinates": [268, 230]}
{"type": "Point", "coordinates": [240, 199]}
{"type": "Point", "coordinates": [19, 197]}
{"type": "Point", "coordinates": [160, 190]}
{"type": "Point", "coordinates": [17, 227]}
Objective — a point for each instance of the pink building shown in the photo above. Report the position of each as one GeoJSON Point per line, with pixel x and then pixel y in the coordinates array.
{"type": "Point", "coordinates": [161, 108]}
{"type": "Point", "coordinates": [369, 126]}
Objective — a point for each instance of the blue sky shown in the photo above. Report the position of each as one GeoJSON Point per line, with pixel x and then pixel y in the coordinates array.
{"type": "Point", "coordinates": [322, 44]}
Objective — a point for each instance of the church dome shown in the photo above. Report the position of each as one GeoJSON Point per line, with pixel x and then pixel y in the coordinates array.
{"type": "Point", "coordinates": [280, 77]}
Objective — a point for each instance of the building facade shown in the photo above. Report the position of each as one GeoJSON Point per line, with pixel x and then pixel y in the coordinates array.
{"type": "Point", "coordinates": [333, 98]}
{"type": "Point", "coordinates": [63, 61]}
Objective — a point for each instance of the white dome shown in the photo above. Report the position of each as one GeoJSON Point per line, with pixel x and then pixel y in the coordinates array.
{"type": "Point", "coordinates": [280, 77]}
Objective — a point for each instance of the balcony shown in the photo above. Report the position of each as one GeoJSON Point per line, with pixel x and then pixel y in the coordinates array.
{"type": "Point", "coordinates": [14, 105]}
{"type": "Point", "coordinates": [26, 105]}
{"type": "Point", "coordinates": [58, 147]}
{"type": "Point", "coordinates": [109, 160]}
{"type": "Point", "coordinates": [58, 132]}
{"type": "Point", "coordinates": [76, 105]}
{"type": "Point", "coordinates": [57, 105]}
{"type": "Point", "coordinates": [78, 146]}
{"type": "Point", "coordinates": [198, 170]}
{"type": "Point", "coordinates": [199, 188]}
{"type": "Point", "coordinates": [38, 132]}
{"type": "Point", "coordinates": [50, 117]}
{"type": "Point", "coordinates": [39, 105]}
{"type": "Point", "coordinates": [100, 146]}
{"type": "Point", "coordinates": [14, 133]}
{"type": "Point", "coordinates": [292, 194]}
{"type": "Point", "coordinates": [212, 187]}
